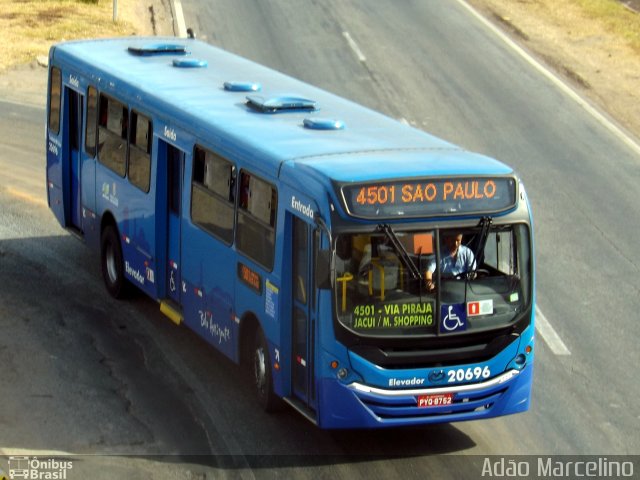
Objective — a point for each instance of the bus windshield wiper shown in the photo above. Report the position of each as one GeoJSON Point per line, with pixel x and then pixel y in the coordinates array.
{"type": "Point", "coordinates": [485, 226]}
{"type": "Point", "coordinates": [399, 248]}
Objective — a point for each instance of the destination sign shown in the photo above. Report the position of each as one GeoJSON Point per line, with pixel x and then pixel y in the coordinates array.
{"type": "Point", "coordinates": [430, 197]}
{"type": "Point", "coordinates": [393, 316]}
{"type": "Point", "coordinates": [249, 277]}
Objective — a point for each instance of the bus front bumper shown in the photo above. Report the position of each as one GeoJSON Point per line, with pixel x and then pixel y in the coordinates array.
{"type": "Point", "coordinates": [360, 406]}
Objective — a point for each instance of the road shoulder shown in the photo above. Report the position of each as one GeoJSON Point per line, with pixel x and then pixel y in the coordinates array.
{"type": "Point", "coordinates": [581, 50]}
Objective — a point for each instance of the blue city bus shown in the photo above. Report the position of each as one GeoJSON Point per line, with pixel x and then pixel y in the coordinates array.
{"type": "Point", "coordinates": [367, 273]}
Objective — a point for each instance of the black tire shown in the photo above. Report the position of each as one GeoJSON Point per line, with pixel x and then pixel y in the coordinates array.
{"type": "Point", "coordinates": [112, 263]}
{"type": "Point", "coordinates": [262, 375]}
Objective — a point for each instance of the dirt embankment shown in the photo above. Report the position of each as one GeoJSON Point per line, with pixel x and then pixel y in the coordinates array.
{"type": "Point", "coordinates": [28, 29]}
{"type": "Point", "coordinates": [595, 58]}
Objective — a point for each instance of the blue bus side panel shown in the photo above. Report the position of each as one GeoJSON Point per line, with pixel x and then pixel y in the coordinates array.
{"type": "Point", "coordinates": [208, 270]}
{"type": "Point", "coordinates": [135, 217]}
{"type": "Point", "coordinates": [54, 179]}
{"type": "Point", "coordinates": [210, 314]}
{"type": "Point", "coordinates": [90, 219]}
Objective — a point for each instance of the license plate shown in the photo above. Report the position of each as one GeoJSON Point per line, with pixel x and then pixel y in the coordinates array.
{"type": "Point", "coordinates": [435, 400]}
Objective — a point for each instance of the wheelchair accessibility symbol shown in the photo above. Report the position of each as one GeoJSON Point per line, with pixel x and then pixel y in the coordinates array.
{"type": "Point", "coordinates": [172, 282]}
{"type": "Point", "coordinates": [454, 318]}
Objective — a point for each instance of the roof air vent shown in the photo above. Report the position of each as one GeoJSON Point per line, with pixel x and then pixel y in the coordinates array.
{"type": "Point", "coordinates": [280, 104]}
{"type": "Point", "coordinates": [159, 49]}
{"type": "Point", "coordinates": [242, 86]}
{"type": "Point", "coordinates": [189, 63]}
{"type": "Point", "coordinates": [323, 124]}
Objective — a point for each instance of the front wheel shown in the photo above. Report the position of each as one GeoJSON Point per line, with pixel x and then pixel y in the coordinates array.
{"type": "Point", "coordinates": [112, 263]}
{"type": "Point", "coordinates": [263, 377]}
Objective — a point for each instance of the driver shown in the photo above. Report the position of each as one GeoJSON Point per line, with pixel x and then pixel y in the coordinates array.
{"type": "Point", "coordinates": [456, 259]}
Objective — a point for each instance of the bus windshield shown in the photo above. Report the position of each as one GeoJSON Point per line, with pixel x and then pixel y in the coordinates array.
{"type": "Point", "coordinates": [432, 282]}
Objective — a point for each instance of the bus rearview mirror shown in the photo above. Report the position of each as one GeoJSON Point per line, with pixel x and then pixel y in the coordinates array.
{"type": "Point", "coordinates": [323, 269]}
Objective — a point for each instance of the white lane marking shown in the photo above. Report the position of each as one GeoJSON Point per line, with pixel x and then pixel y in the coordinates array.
{"type": "Point", "coordinates": [354, 47]}
{"type": "Point", "coordinates": [549, 335]}
{"type": "Point", "coordinates": [182, 26]}
{"type": "Point", "coordinates": [604, 121]}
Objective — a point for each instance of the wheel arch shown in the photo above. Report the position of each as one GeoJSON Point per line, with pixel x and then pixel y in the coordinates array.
{"type": "Point", "coordinates": [108, 219]}
{"type": "Point", "coordinates": [249, 325]}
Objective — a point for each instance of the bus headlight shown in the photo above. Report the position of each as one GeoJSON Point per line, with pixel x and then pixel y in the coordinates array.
{"type": "Point", "coordinates": [520, 361]}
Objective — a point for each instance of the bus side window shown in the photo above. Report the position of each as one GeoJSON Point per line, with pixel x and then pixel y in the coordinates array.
{"type": "Point", "coordinates": [92, 120]}
{"type": "Point", "coordinates": [55, 89]}
{"type": "Point", "coordinates": [255, 236]}
{"type": "Point", "coordinates": [112, 135]}
{"type": "Point", "coordinates": [212, 198]}
{"type": "Point", "coordinates": [139, 167]}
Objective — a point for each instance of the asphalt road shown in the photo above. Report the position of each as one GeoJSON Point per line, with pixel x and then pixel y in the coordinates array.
{"type": "Point", "coordinates": [85, 374]}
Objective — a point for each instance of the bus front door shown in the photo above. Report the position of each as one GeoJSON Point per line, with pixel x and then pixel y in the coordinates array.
{"type": "Point", "coordinates": [303, 314]}
{"type": "Point", "coordinates": [175, 170]}
{"type": "Point", "coordinates": [73, 132]}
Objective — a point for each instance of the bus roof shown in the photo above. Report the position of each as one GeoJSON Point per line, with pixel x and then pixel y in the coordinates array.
{"type": "Point", "coordinates": [182, 81]}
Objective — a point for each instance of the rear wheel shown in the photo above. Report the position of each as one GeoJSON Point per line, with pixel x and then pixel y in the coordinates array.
{"type": "Point", "coordinates": [112, 263]}
{"type": "Point", "coordinates": [263, 377]}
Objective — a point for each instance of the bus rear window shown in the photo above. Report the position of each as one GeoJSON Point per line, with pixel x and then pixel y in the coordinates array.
{"type": "Point", "coordinates": [112, 135]}
{"type": "Point", "coordinates": [55, 89]}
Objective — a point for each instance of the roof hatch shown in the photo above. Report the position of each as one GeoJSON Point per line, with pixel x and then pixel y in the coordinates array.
{"type": "Point", "coordinates": [159, 49]}
{"type": "Point", "coordinates": [242, 86]}
{"type": "Point", "coordinates": [323, 124]}
{"type": "Point", "coordinates": [284, 103]}
{"type": "Point", "coordinates": [189, 63]}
